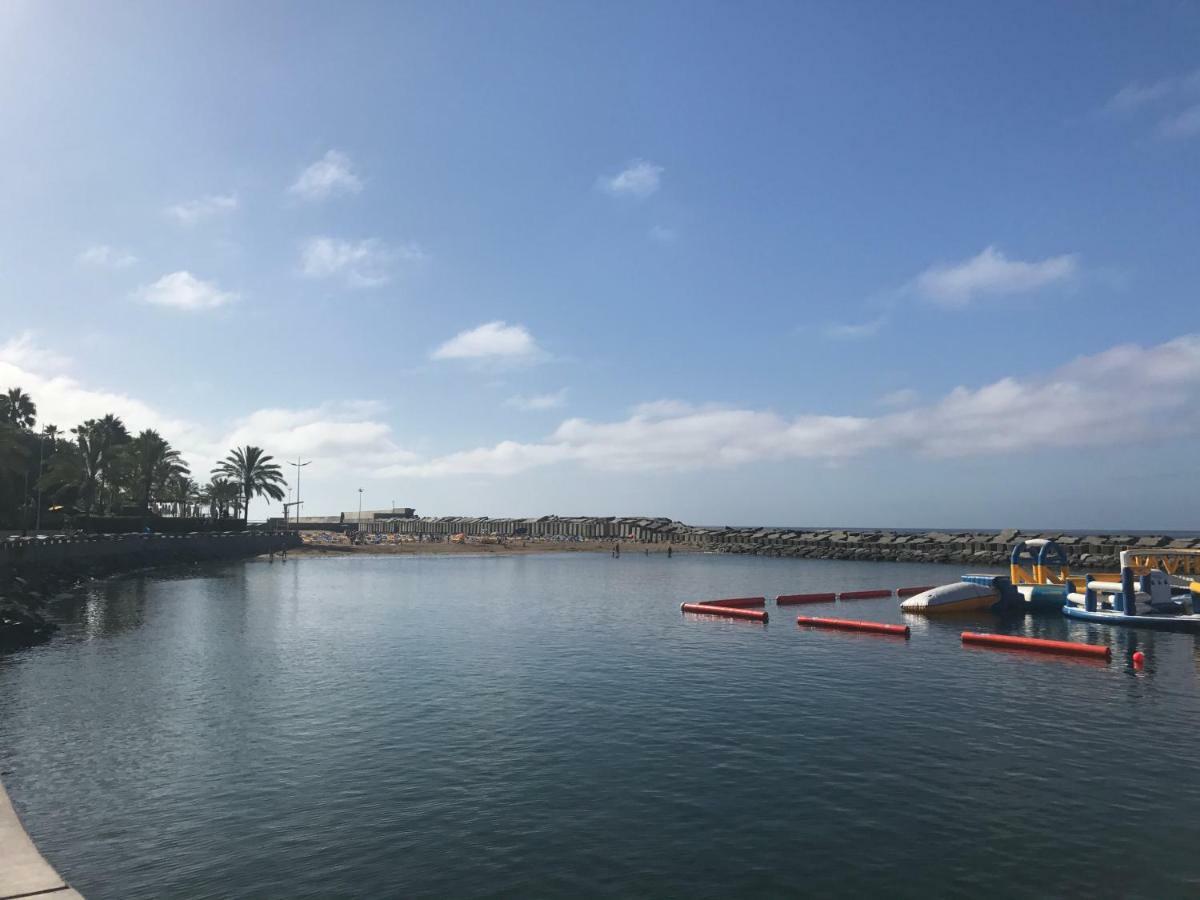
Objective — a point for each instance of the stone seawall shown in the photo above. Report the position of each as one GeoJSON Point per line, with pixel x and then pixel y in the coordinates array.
{"type": "Point", "coordinates": [989, 548]}
{"type": "Point", "coordinates": [32, 570]}
{"type": "Point", "coordinates": [131, 551]}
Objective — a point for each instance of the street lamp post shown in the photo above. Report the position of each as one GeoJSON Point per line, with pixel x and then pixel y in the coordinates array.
{"type": "Point", "coordinates": [299, 465]}
{"type": "Point", "coordinates": [37, 527]}
{"type": "Point", "coordinates": [360, 490]}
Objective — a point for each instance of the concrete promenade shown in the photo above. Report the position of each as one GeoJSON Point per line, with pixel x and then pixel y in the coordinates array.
{"type": "Point", "coordinates": [23, 871]}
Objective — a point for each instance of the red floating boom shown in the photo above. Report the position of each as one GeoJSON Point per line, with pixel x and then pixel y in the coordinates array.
{"type": "Point", "coordinates": [862, 595]}
{"type": "Point", "coordinates": [1038, 645]}
{"type": "Point", "coordinates": [796, 599]}
{"type": "Point", "coordinates": [736, 602]}
{"type": "Point", "coordinates": [730, 612]}
{"type": "Point", "coordinates": [909, 592]}
{"type": "Point", "coordinates": [853, 625]}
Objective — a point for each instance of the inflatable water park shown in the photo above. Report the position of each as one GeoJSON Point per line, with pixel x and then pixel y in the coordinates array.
{"type": "Point", "coordinates": [1153, 589]}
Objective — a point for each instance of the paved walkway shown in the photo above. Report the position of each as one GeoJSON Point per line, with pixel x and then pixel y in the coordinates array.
{"type": "Point", "coordinates": [23, 872]}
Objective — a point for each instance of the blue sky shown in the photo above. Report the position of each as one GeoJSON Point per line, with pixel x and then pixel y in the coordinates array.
{"type": "Point", "coordinates": [844, 263]}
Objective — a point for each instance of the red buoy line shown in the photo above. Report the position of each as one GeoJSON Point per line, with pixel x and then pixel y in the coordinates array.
{"type": "Point", "coordinates": [796, 599]}
{"type": "Point", "coordinates": [863, 595]}
{"type": "Point", "coordinates": [736, 602]}
{"type": "Point", "coordinates": [909, 592]}
{"type": "Point", "coordinates": [742, 608]}
{"type": "Point", "coordinates": [853, 625]}
{"type": "Point", "coordinates": [729, 612]}
{"type": "Point", "coordinates": [1038, 645]}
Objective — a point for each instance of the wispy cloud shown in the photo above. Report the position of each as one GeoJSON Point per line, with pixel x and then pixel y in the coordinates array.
{"type": "Point", "coordinates": [193, 211]}
{"type": "Point", "coordinates": [497, 341]}
{"type": "Point", "coordinates": [539, 402]}
{"type": "Point", "coordinates": [638, 179]}
{"type": "Point", "coordinates": [183, 290]}
{"type": "Point", "coordinates": [899, 398]}
{"type": "Point", "coordinates": [1138, 95]}
{"type": "Point", "coordinates": [107, 257]}
{"type": "Point", "coordinates": [845, 331]}
{"type": "Point", "coordinates": [1071, 406]}
{"type": "Point", "coordinates": [331, 175]}
{"type": "Point", "coordinates": [1174, 99]}
{"type": "Point", "coordinates": [991, 273]}
{"type": "Point", "coordinates": [1183, 125]}
{"type": "Point", "coordinates": [341, 437]}
{"type": "Point", "coordinates": [662, 234]}
{"type": "Point", "coordinates": [366, 263]}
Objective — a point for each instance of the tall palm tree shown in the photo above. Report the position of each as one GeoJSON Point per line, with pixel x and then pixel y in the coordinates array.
{"type": "Point", "coordinates": [13, 452]}
{"type": "Point", "coordinates": [220, 494]}
{"type": "Point", "coordinates": [17, 408]}
{"type": "Point", "coordinates": [102, 441]}
{"type": "Point", "coordinates": [254, 472]}
{"type": "Point", "coordinates": [181, 491]}
{"type": "Point", "coordinates": [152, 463]}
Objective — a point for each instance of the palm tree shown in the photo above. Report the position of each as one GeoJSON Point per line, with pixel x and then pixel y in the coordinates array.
{"type": "Point", "coordinates": [254, 473]}
{"type": "Point", "coordinates": [220, 494]}
{"type": "Point", "coordinates": [182, 492]}
{"type": "Point", "coordinates": [152, 464]}
{"type": "Point", "coordinates": [66, 479]}
{"type": "Point", "coordinates": [101, 441]}
{"type": "Point", "coordinates": [13, 452]}
{"type": "Point", "coordinates": [17, 408]}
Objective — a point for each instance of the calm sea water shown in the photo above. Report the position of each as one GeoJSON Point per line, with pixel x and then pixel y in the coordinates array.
{"type": "Point", "coordinates": [553, 726]}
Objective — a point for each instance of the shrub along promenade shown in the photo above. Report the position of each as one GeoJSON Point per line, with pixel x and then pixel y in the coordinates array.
{"type": "Point", "coordinates": [990, 548]}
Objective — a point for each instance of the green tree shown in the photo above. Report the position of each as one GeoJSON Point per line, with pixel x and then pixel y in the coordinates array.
{"type": "Point", "coordinates": [152, 463]}
{"type": "Point", "coordinates": [254, 473]}
{"type": "Point", "coordinates": [17, 408]}
{"type": "Point", "coordinates": [182, 493]}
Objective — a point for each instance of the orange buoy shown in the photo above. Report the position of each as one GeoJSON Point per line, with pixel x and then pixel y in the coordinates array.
{"type": "Point", "coordinates": [796, 599]}
{"type": "Point", "coordinates": [736, 602]}
{"type": "Point", "coordinates": [730, 612]}
{"type": "Point", "coordinates": [910, 592]}
{"type": "Point", "coordinates": [863, 595]}
{"type": "Point", "coordinates": [1037, 645]}
{"type": "Point", "coordinates": [853, 625]}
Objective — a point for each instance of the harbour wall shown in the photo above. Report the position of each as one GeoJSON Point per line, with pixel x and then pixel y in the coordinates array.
{"type": "Point", "coordinates": [990, 548]}
{"type": "Point", "coordinates": [131, 551]}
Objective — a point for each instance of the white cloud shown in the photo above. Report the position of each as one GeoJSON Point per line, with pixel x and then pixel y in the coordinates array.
{"type": "Point", "coordinates": [638, 179]}
{"type": "Point", "coordinates": [1135, 96]}
{"type": "Point", "coordinates": [107, 257]}
{"type": "Point", "coordinates": [899, 398]}
{"type": "Point", "coordinates": [23, 352]}
{"type": "Point", "coordinates": [183, 290]}
{"type": "Point", "coordinates": [364, 263]}
{"type": "Point", "coordinates": [1183, 125]}
{"type": "Point", "coordinates": [1152, 392]}
{"type": "Point", "coordinates": [663, 235]}
{"type": "Point", "coordinates": [538, 402]}
{"type": "Point", "coordinates": [855, 331]}
{"type": "Point", "coordinates": [64, 401]}
{"type": "Point", "coordinates": [491, 341]}
{"type": "Point", "coordinates": [342, 438]}
{"type": "Point", "coordinates": [194, 211]}
{"type": "Point", "coordinates": [991, 273]}
{"type": "Point", "coordinates": [329, 176]}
